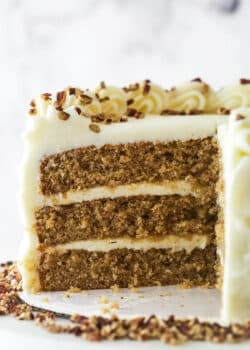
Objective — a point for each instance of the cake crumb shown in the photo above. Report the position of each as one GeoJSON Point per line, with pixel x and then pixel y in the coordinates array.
{"type": "Point", "coordinates": [105, 310]}
{"type": "Point", "coordinates": [165, 294]}
{"type": "Point", "coordinates": [84, 292]}
{"type": "Point", "coordinates": [103, 299]}
{"type": "Point", "coordinates": [66, 295]}
{"type": "Point", "coordinates": [115, 306]}
{"type": "Point", "coordinates": [115, 288]}
{"type": "Point", "coordinates": [45, 300]}
{"type": "Point", "coordinates": [158, 283]}
{"type": "Point", "coordinates": [133, 289]}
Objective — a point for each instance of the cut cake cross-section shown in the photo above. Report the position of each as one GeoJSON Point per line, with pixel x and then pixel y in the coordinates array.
{"type": "Point", "coordinates": [139, 186]}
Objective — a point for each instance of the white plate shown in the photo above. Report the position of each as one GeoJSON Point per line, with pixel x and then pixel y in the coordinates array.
{"type": "Point", "coordinates": [162, 301]}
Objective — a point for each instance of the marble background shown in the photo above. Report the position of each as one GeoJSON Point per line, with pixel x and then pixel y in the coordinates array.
{"type": "Point", "coordinates": [47, 45]}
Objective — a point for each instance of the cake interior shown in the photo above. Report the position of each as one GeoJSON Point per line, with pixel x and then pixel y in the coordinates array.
{"type": "Point", "coordinates": [164, 230]}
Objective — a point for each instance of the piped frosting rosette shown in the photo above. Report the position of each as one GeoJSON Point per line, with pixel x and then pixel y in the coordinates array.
{"type": "Point", "coordinates": [88, 104]}
{"type": "Point", "coordinates": [191, 97]}
{"type": "Point", "coordinates": [113, 104]}
{"type": "Point", "coordinates": [241, 126]}
{"type": "Point", "coordinates": [145, 97]}
{"type": "Point", "coordinates": [234, 96]}
{"type": "Point", "coordinates": [112, 100]}
{"type": "Point", "coordinates": [84, 102]}
{"type": "Point", "coordinates": [239, 167]}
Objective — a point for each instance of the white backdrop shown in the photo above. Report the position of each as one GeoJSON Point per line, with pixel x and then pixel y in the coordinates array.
{"type": "Point", "coordinates": [47, 45]}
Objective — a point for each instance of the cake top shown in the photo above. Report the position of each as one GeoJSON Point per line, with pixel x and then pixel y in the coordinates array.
{"type": "Point", "coordinates": [107, 104]}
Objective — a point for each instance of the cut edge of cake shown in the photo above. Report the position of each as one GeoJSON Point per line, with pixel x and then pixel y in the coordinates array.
{"type": "Point", "coordinates": [57, 129]}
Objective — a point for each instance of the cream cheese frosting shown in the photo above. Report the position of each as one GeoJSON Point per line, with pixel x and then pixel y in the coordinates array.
{"type": "Point", "coordinates": [48, 134]}
{"type": "Point", "coordinates": [235, 96]}
{"type": "Point", "coordinates": [63, 121]}
{"type": "Point", "coordinates": [191, 96]}
{"type": "Point", "coordinates": [110, 103]}
{"type": "Point", "coordinates": [182, 188]}
{"type": "Point", "coordinates": [172, 242]}
{"type": "Point", "coordinates": [235, 141]}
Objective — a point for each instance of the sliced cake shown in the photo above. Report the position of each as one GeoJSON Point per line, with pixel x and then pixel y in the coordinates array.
{"type": "Point", "coordinates": [139, 186]}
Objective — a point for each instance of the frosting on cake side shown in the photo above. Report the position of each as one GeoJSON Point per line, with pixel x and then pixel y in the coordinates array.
{"type": "Point", "coordinates": [145, 112]}
{"type": "Point", "coordinates": [235, 140]}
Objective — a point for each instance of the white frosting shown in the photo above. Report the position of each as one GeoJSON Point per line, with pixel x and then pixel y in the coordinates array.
{"type": "Point", "coordinates": [172, 242]}
{"type": "Point", "coordinates": [48, 135]}
{"type": "Point", "coordinates": [113, 100]}
{"type": "Point", "coordinates": [191, 96]}
{"type": "Point", "coordinates": [151, 102]}
{"type": "Point", "coordinates": [182, 188]}
{"type": "Point", "coordinates": [146, 97]}
{"type": "Point", "coordinates": [234, 96]}
{"type": "Point", "coordinates": [235, 142]}
{"type": "Point", "coordinates": [28, 262]}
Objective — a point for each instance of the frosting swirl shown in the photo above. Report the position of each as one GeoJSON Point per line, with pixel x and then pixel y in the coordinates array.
{"type": "Point", "coordinates": [235, 96]}
{"type": "Point", "coordinates": [145, 97]}
{"type": "Point", "coordinates": [194, 96]}
{"type": "Point", "coordinates": [88, 104]}
{"type": "Point", "coordinates": [113, 104]}
{"type": "Point", "coordinates": [112, 100]}
{"type": "Point", "coordinates": [241, 123]}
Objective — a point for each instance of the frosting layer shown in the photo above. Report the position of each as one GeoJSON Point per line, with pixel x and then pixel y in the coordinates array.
{"type": "Point", "coordinates": [172, 242]}
{"type": "Point", "coordinates": [111, 104]}
{"type": "Point", "coordinates": [182, 188]}
{"type": "Point", "coordinates": [235, 141]}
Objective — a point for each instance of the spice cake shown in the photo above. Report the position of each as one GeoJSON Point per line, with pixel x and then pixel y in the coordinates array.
{"type": "Point", "coordinates": [139, 186]}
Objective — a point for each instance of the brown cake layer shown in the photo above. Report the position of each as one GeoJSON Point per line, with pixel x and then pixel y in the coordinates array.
{"type": "Point", "coordinates": [125, 268]}
{"type": "Point", "coordinates": [134, 217]}
{"type": "Point", "coordinates": [112, 165]}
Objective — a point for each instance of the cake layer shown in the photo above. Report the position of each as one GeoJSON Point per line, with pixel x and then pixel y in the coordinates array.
{"type": "Point", "coordinates": [112, 165]}
{"type": "Point", "coordinates": [60, 270]}
{"type": "Point", "coordinates": [134, 216]}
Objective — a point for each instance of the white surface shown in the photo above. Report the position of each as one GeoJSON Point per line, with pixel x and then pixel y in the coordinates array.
{"type": "Point", "coordinates": [182, 302]}
{"type": "Point", "coordinates": [25, 336]}
{"type": "Point", "coordinates": [161, 301]}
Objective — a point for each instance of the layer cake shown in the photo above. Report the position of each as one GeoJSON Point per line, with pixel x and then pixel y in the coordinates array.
{"type": "Point", "coordinates": [139, 186]}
